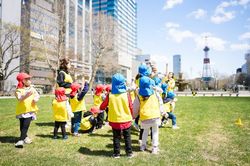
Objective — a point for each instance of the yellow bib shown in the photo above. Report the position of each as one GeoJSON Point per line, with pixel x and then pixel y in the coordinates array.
{"type": "Point", "coordinates": [171, 85]}
{"type": "Point", "coordinates": [149, 109]}
{"type": "Point", "coordinates": [77, 105]}
{"type": "Point", "coordinates": [67, 79]}
{"type": "Point", "coordinates": [167, 107]}
{"type": "Point", "coordinates": [85, 123]}
{"type": "Point", "coordinates": [119, 108]}
{"type": "Point", "coordinates": [26, 105]}
{"type": "Point", "coordinates": [97, 100]}
{"type": "Point", "coordinates": [59, 111]}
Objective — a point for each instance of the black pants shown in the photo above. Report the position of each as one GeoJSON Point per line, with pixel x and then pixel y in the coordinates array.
{"type": "Point", "coordinates": [100, 119]}
{"type": "Point", "coordinates": [62, 125]}
{"type": "Point", "coordinates": [24, 126]}
{"type": "Point", "coordinates": [117, 139]}
{"type": "Point", "coordinates": [137, 120]}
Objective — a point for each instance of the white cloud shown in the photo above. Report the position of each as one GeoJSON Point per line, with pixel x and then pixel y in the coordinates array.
{"type": "Point", "coordinates": [178, 35]}
{"type": "Point", "coordinates": [171, 3]}
{"type": "Point", "coordinates": [213, 42]}
{"type": "Point", "coordinates": [221, 15]}
{"type": "Point", "coordinates": [243, 2]}
{"type": "Point", "coordinates": [172, 25]}
{"type": "Point", "coordinates": [198, 14]}
{"type": "Point", "coordinates": [242, 47]}
{"type": "Point", "coordinates": [245, 36]}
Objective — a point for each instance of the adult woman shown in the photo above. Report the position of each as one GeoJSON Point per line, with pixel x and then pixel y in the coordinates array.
{"type": "Point", "coordinates": [63, 77]}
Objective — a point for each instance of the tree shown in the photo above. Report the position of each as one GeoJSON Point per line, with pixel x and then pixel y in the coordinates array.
{"type": "Point", "coordinates": [102, 42]}
{"type": "Point", "coordinates": [10, 51]}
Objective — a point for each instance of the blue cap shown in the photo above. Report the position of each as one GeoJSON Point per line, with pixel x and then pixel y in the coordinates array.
{"type": "Point", "coordinates": [170, 95]}
{"type": "Point", "coordinates": [144, 70]}
{"type": "Point", "coordinates": [157, 80]}
{"type": "Point", "coordinates": [118, 84]}
{"type": "Point", "coordinates": [146, 84]}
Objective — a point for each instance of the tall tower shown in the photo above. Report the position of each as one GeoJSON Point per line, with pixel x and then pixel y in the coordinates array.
{"type": "Point", "coordinates": [177, 65]}
{"type": "Point", "coordinates": [206, 73]}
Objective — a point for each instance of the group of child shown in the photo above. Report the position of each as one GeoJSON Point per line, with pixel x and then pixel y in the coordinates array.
{"type": "Point", "coordinates": [150, 101]}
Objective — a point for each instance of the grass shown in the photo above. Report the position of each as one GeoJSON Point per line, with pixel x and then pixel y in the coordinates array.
{"type": "Point", "coordinates": [207, 136]}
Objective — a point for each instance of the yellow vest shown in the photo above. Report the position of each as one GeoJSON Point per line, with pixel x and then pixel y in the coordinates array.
{"type": "Point", "coordinates": [119, 108]}
{"type": "Point", "coordinates": [167, 107]}
{"type": "Point", "coordinates": [67, 79]}
{"type": "Point", "coordinates": [97, 100]}
{"type": "Point", "coordinates": [26, 105]}
{"type": "Point", "coordinates": [171, 85]}
{"type": "Point", "coordinates": [76, 105]}
{"type": "Point", "coordinates": [149, 109]}
{"type": "Point", "coordinates": [59, 111]}
{"type": "Point", "coordinates": [85, 123]}
{"type": "Point", "coordinates": [132, 94]}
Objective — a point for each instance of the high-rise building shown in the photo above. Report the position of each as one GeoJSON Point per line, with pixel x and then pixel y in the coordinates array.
{"type": "Point", "coordinates": [176, 65]}
{"type": "Point", "coordinates": [125, 13]}
{"type": "Point", "coordinates": [57, 28]}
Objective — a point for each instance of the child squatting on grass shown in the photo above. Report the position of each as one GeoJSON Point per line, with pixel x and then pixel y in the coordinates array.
{"type": "Point", "coordinates": [61, 108]}
{"type": "Point", "coordinates": [26, 108]}
{"type": "Point", "coordinates": [149, 110]}
{"type": "Point", "coordinates": [119, 114]}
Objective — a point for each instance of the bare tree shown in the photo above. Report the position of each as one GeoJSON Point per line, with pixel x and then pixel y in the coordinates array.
{"type": "Point", "coordinates": [102, 42]}
{"type": "Point", "coordinates": [10, 51]}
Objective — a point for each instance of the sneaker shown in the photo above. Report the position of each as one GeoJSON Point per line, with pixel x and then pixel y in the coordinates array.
{"type": "Point", "coordinates": [27, 140]}
{"type": "Point", "coordinates": [55, 137]}
{"type": "Point", "coordinates": [142, 147]}
{"type": "Point", "coordinates": [130, 155]}
{"type": "Point", "coordinates": [76, 134]}
{"type": "Point", "coordinates": [116, 156]}
{"type": "Point", "coordinates": [19, 144]}
{"type": "Point", "coordinates": [65, 137]}
{"type": "Point", "coordinates": [175, 127]}
{"type": "Point", "coordinates": [155, 150]}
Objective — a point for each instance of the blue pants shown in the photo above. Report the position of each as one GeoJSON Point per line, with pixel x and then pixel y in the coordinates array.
{"type": "Point", "coordinates": [172, 117]}
{"type": "Point", "coordinates": [75, 122]}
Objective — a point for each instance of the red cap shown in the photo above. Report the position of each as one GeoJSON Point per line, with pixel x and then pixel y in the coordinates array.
{"type": "Point", "coordinates": [94, 110]}
{"type": "Point", "coordinates": [108, 88]}
{"type": "Point", "coordinates": [20, 77]}
{"type": "Point", "coordinates": [98, 89]}
{"type": "Point", "coordinates": [60, 94]}
{"type": "Point", "coordinates": [74, 88]}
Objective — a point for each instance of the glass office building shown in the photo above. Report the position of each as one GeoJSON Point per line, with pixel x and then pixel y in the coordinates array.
{"type": "Point", "coordinates": [125, 13]}
{"type": "Point", "coordinates": [176, 64]}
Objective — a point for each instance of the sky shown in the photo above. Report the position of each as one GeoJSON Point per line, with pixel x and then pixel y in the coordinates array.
{"type": "Point", "coordinates": [169, 27]}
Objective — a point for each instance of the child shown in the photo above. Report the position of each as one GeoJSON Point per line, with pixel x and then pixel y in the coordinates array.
{"type": "Point", "coordinates": [98, 99]}
{"type": "Point", "coordinates": [169, 105]}
{"type": "Point", "coordinates": [149, 110]}
{"type": "Point", "coordinates": [89, 120]}
{"type": "Point", "coordinates": [119, 115]}
{"type": "Point", "coordinates": [60, 107]}
{"type": "Point", "coordinates": [26, 108]}
{"type": "Point", "coordinates": [77, 104]}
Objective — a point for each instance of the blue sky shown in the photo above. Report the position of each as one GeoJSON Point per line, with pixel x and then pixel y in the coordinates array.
{"type": "Point", "coordinates": [169, 27]}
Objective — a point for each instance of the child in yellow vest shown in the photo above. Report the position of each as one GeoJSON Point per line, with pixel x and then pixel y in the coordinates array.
{"type": "Point", "coordinates": [77, 104]}
{"type": "Point", "coordinates": [89, 120]}
{"type": "Point", "coordinates": [26, 108]}
{"type": "Point", "coordinates": [120, 114]}
{"type": "Point", "coordinates": [98, 99]}
{"type": "Point", "coordinates": [149, 111]}
{"type": "Point", "coordinates": [60, 107]}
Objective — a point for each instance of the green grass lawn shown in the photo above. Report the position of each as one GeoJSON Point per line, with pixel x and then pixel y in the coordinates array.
{"type": "Point", "coordinates": [207, 136]}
